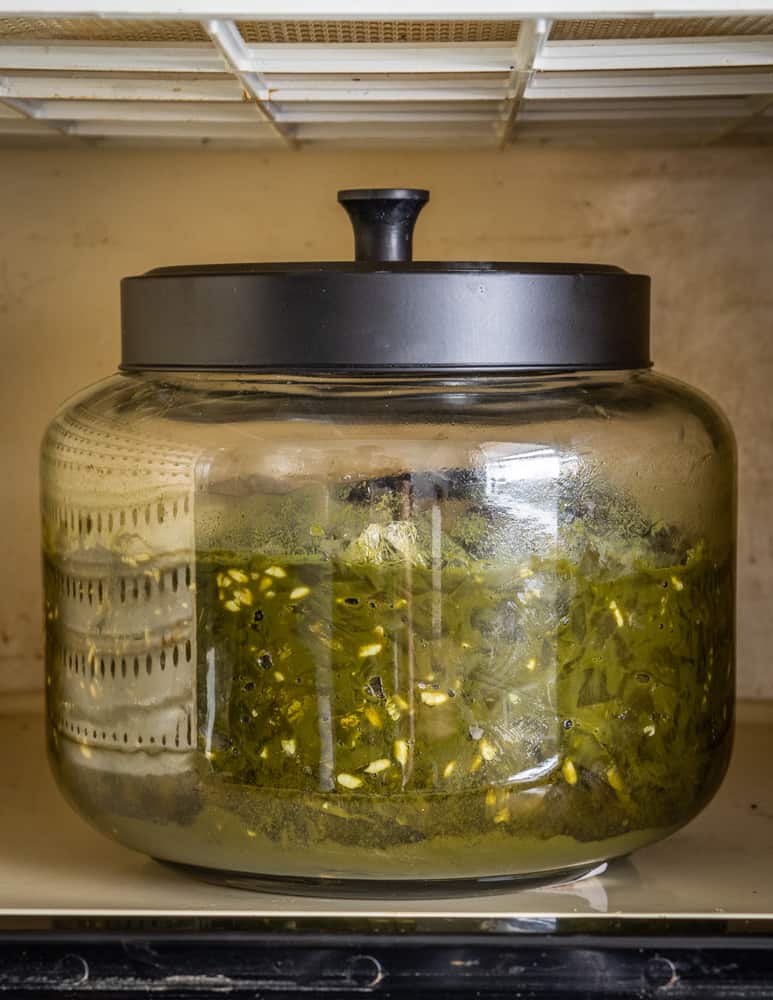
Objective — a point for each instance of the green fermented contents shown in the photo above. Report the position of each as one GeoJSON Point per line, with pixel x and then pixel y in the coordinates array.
{"type": "Point", "coordinates": [382, 677]}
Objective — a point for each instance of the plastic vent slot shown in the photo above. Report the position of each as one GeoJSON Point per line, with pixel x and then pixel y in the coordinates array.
{"type": "Point", "coordinates": [380, 32]}
{"type": "Point", "coordinates": [83, 29]}
{"type": "Point", "coordinates": [666, 27]}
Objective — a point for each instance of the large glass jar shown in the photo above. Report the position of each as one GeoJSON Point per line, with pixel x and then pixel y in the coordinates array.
{"type": "Point", "coordinates": [421, 625]}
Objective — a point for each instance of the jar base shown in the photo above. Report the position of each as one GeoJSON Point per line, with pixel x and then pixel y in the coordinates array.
{"type": "Point", "coordinates": [365, 888]}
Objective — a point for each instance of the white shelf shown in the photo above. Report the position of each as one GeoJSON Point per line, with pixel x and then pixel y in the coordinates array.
{"type": "Point", "coordinates": [404, 73]}
{"type": "Point", "coordinates": [720, 867]}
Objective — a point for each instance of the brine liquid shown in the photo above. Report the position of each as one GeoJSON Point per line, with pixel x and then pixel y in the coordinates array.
{"type": "Point", "coordinates": [378, 688]}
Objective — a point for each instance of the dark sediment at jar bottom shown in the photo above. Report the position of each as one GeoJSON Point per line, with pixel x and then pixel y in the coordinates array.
{"type": "Point", "coordinates": [201, 832]}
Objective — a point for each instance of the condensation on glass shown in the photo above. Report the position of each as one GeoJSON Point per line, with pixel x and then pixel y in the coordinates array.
{"type": "Point", "coordinates": [389, 628]}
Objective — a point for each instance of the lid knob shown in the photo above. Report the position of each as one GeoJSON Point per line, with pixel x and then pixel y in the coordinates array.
{"type": "Point", "coordinates": [383, 221]}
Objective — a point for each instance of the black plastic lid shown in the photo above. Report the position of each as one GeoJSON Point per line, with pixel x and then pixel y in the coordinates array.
{"type": "Point", "coordinates": [384, 311]}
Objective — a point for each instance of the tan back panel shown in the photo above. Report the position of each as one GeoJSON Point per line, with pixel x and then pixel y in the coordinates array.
{"type": "Point", "coordinates": [661, 27]}
{"type": "Point", "coordinates": [378, 31]}
{"type": "Point", "coordinates": [87, 29]}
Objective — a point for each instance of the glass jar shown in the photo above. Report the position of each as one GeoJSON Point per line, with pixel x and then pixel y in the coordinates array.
{"type": "Point", "coordinates": [431, 624]}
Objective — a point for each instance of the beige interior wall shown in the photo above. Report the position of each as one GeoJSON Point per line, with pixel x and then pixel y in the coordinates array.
{"type": "Point", "coordinates": [73, 222]}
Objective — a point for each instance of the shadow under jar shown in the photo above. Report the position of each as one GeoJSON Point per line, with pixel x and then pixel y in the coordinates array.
{"type": "Point", "coordinates": [388, 572]}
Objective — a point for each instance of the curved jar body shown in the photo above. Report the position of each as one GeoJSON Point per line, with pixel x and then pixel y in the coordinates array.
{"type": "Point", "coordinates": [413, 629]}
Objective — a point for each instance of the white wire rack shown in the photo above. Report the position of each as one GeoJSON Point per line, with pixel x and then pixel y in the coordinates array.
{"type": "Point", "coordinates": [410, 73]}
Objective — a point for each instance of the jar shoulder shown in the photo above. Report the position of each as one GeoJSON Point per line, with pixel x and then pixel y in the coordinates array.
{"type": "Point", "coordinates": [208, 411]}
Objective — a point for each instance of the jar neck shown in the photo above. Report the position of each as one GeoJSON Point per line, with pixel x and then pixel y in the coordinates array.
{"type": "Point", "coordinates": [355, 383]}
